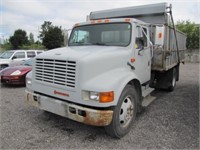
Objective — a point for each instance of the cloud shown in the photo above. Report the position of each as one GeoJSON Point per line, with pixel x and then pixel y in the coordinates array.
{"type": "Point", "coordinates": [30, 14]}
{"type": "Point", "coordinates": [186, 11]}
{"type": "Point", "coordinates": [29, 7]}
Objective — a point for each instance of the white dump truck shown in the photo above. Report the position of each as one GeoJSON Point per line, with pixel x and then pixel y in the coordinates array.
{"type": "Point", "coordinates": [112, 62]}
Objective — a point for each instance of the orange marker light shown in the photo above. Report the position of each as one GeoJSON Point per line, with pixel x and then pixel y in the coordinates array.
{"type": "Point", "coordinates": [132, 60]}
{"type": "Point", "coordinates": [106, 97]}
{"type": "Point", "coordinates": [127, 20]}
{"type": "Point", "coordinates": [99, 21]}
{"type": "Point", "coordinates": [92, 21]}
{"type": "Point", "coordinates": [107, 20]}
{"type": "Point", "coordinates": [160, 35]}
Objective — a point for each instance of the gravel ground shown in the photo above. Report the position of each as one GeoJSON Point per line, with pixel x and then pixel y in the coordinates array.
{"type": "Point", "coordinates": [170, 122]}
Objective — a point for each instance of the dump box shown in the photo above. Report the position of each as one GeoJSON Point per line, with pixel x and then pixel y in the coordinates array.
{"type": "Point", "coordinates": [168, 47]}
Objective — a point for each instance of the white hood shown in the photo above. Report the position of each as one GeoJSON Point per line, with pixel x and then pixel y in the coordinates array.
{"type": "Point", "coordinates": [80, 52]}
{"type": "Point", "coordinates": [4, 61]}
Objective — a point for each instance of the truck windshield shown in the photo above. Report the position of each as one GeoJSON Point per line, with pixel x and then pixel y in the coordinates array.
{"type": "Point", "coordinates": [109, 34]}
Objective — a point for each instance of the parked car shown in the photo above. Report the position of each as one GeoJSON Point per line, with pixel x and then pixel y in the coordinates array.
{"type": "Point", "coordinates": [16, 75]}
{"type": "Point", "coordinates": [16, 57]}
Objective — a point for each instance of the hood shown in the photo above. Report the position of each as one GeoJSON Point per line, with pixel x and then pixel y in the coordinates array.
{"type": "Point", "coordinates": [91, 61]}
{"type": "Point", "coordinates": [7, 71]}
{"type": "Point", "coordinates": [4, 61]}
{"type": "Point", "coordinates": [79, 52]}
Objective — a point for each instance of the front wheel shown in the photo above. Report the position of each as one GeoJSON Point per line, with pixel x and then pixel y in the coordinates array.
{"type": "Point", "coordinates": [124, 113]}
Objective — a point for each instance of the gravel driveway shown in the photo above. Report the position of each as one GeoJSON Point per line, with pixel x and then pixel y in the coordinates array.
{"type": "Point", "coordinates": [170, 122]}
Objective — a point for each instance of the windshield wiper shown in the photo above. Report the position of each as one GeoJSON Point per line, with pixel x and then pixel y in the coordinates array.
{"type": "Point", "coordinates": [98, 43]}
{"type": "Point", "coordinates": [77, 43]}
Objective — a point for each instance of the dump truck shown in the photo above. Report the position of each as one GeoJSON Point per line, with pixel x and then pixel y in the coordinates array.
{"type": "Point", "coordinates": [111, 64]}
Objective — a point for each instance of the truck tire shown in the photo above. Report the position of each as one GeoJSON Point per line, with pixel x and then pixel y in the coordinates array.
{"type": "Point", "coordinates": [124, 113]}
{"type": "Point", "coordinates": [173, 81]}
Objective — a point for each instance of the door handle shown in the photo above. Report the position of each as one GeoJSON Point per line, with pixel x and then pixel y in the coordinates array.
{"type": "Point", "coordinates": [132, 67]}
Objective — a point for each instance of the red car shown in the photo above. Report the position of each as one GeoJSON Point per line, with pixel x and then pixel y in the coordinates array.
{"type": "Point", "coordinates": [16, 75]}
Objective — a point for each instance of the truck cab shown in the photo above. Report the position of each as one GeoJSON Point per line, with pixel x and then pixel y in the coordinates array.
{"type": "Point", "coordinates": [103, 75]}
{"type": "Point", "coordinates": [101, 59]}
{"type": "Point", "coordinates": [126, 36]}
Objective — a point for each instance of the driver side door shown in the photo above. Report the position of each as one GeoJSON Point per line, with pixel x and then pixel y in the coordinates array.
{"type": "Point", "coordinates": [18, 58]}
{"type": "Point", "coordinates": [143, 54]}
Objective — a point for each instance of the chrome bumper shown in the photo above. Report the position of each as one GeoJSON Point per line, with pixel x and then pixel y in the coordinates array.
{"type": "Point", "coordinates": [78, 113]}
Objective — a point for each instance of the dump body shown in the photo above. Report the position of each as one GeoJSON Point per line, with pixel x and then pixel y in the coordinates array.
{"type": "Point", "coordinates": [156, 15]}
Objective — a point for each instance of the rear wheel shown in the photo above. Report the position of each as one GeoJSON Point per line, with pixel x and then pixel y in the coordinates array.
{"type": "Point", "coordinates": [124, 113]}
{"type": "Point", "coordinates": [173, 80]}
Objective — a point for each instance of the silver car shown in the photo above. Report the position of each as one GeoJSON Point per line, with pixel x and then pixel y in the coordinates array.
{"type": "Point", "coordinates": [16, 57]}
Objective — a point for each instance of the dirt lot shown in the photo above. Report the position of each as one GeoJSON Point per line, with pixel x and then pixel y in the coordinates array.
{"type": "Point", "coordinates": [170, 122]}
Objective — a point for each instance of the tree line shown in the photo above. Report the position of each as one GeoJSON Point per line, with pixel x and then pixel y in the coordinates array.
{"type": "Point", "coordinates": [52, 37]}
{"type": "Point", "coordinates": [192, 31]}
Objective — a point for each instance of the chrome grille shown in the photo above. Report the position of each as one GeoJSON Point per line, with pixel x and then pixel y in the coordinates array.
{"type": "Point", "coordinates": [59, 72]}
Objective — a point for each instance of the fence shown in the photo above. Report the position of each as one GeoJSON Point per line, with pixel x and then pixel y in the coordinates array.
{"type": "Point", "coordinates": [192, 56]}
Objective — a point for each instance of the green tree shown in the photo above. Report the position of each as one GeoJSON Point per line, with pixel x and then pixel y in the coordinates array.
{"type": "Point", "coordinates": [6, 45]}
{"type": "Point", "coordinates": [18, 39]}
{"type": "Point", "coordinates": [31, 38]}
{"type": "Point", "coordinates": [45, 28]}
{"type": "Point", "coordinates": [51, 36]}
{"type": "Point", "coordinates": [192, 31]}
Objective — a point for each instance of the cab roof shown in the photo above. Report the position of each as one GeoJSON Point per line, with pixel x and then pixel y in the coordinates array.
{"type": "Point", "coordinates": [113, 20]}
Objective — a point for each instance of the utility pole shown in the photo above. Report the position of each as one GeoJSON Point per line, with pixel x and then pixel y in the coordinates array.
{"type": "Point", "coordinates": [38, 37]}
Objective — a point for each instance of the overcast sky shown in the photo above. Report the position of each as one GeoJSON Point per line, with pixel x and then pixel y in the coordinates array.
{"type": "Point", "coordinates": [29, 15]}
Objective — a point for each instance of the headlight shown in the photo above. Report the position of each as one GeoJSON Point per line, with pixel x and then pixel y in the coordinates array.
{"type": "Point", "coordinates": [15, 73]}
{"type": "Point", "coordinates": [28, 81]}
{"type": "Point", "coordinates": [102, 97]}
{"type": "Point", "coordinates": [94, 96]}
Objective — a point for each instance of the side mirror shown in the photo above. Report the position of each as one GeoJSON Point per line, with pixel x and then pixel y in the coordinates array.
{"type": "Point", "coordinates": [141, 50]}
{"type": "Point", "coordinates": [14, 57]}
{"type": "Point", "coordinates": [140, 45]}
{"type": "Point", "coordinates": [139, 33]}
{"type": "Point", "coordinates": [66, 34]}
{"type": "Point", "coordinates": [139, 42]}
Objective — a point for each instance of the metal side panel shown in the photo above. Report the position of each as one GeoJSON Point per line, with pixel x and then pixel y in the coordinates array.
{"type": "Point", "coordinates": [145, 13]}
{"type": "Point", "coordinates": [157, 60]}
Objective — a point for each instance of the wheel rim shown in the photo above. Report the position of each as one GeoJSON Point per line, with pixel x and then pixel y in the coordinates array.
{"type": "Point", "coordinates": [126, 112]}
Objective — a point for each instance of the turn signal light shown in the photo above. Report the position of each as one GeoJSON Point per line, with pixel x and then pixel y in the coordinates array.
{"type": "Point", "coordinates": [106, 97]}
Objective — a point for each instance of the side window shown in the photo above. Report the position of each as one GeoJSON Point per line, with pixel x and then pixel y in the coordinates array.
{"type": "Point", "coordinates": [144, 37]}
{"type": "Point", "coordinates": [31, 54]}
{"type": "Point", "coordinates": [38, 52]}
{"type": "Point", "coordinates": [19, 55]}
{"type": "Point", "coordinates": [141, 40]}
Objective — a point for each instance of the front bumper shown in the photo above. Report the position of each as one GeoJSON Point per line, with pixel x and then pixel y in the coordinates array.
{"type": "Point", "coordinates": [14, 80]}
{"type": "Point", "coordinates": [72, 111]}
